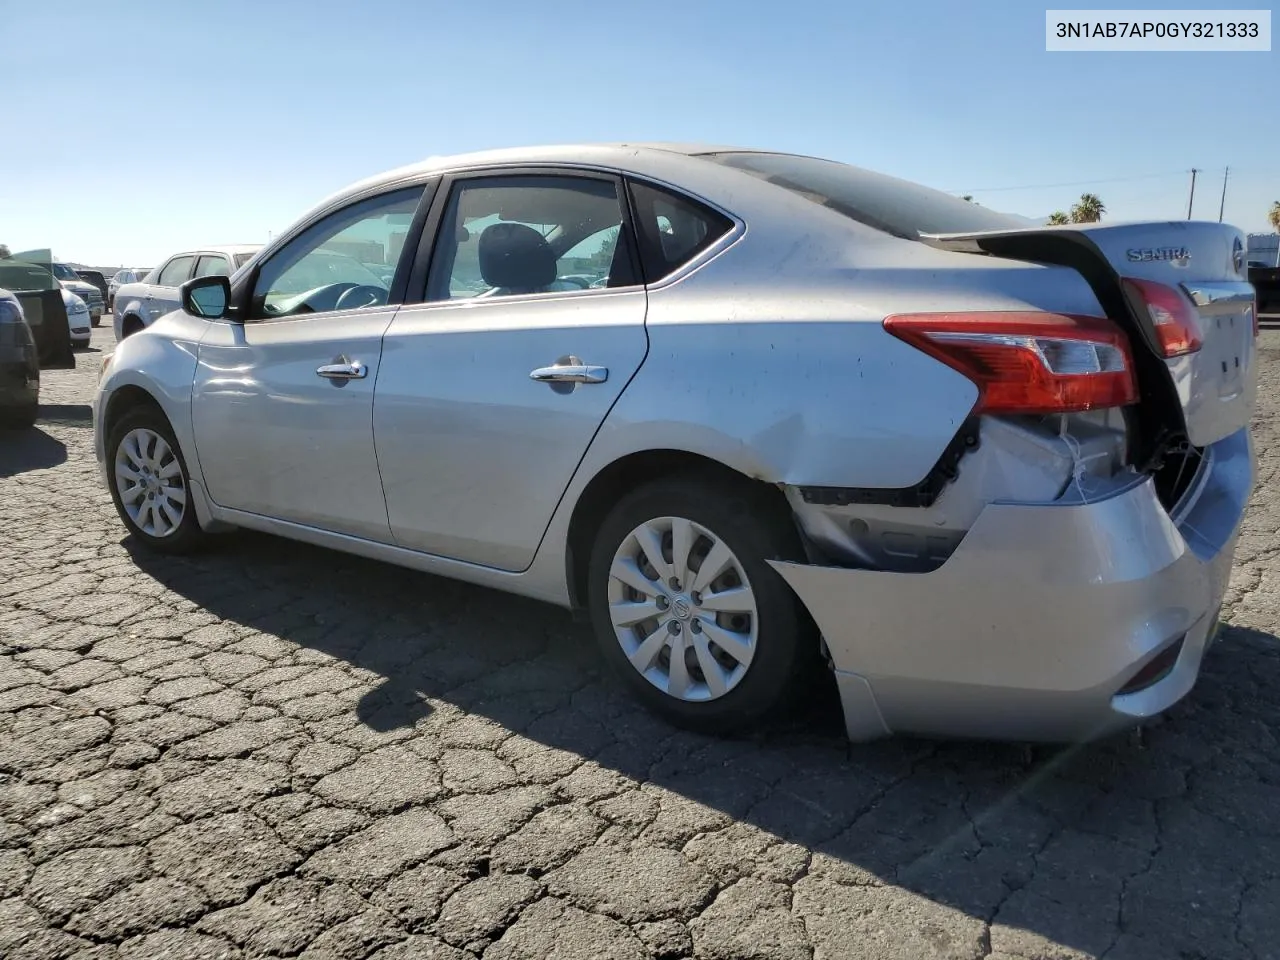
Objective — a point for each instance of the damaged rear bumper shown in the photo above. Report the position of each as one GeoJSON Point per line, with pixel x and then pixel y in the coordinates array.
{"type": "Point", "coordinates": [1053, 622]}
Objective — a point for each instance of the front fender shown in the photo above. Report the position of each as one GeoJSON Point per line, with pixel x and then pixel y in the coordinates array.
{"type": "Point", "coordinates": [162, 366]}
{"type": "Point", "coordinates": [126, 306]}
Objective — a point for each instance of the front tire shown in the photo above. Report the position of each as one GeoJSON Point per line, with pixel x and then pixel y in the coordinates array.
{"type": "Point", "coordinates": [688, 612]}
{"type": "Point", "coordinates": [150, 484]}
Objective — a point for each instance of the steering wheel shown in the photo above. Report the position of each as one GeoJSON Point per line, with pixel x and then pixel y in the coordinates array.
{"type": "Point", "coordinates": [364, 295]}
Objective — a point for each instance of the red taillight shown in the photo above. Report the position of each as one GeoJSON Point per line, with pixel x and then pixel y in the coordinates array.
{"type": "Point", "coordinates": [1172, 314]}
{"type": "Point", "coordinates": [1028, 363]}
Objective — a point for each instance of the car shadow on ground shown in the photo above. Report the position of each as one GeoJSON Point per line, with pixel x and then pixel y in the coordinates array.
{"type": "Point", "coordinates": [1152, 832]}
{"type": "Point", "coordinates": [70, 414]}
{"type": "Point", "coordinates": [29, 449]}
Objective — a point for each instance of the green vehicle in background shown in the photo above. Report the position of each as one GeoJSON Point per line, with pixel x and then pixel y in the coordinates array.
{"type": "Point", "coordinates": [31, 279]}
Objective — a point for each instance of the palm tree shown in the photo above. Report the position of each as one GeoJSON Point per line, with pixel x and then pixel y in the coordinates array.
{"type": "Point", "coordinates": [1089, 210]}
{"type": "Point", "coordinates": [1057, 218]}
{"type": "Point", "coordinates": [1274, 216]}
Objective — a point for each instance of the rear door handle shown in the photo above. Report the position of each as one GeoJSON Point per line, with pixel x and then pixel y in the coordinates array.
{"type": "Point", "coordinates": [355, 370]}
{"type": "Point", "coordinates": [573, 371]}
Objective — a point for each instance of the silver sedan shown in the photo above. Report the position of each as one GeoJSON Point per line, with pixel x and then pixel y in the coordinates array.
{"type": "Point", "coordinates": [757, 414]}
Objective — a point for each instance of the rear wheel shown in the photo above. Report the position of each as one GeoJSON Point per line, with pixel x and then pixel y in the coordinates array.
{"type": "Point", "coordinates": [687, 610]}
{"type": "Point", "coordinates": [150, 485]}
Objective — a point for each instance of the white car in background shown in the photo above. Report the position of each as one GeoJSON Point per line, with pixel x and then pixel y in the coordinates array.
{"type": "Point", "coordinates": [138, 305]}
{"type": "Point", "coordinates": [78, 318]}
{"type": "Point", "coordinates": [121, 277]}
{"type": "Point", "coordinates": [87, 293]}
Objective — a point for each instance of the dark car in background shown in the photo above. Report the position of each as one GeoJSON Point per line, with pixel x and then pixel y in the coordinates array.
{"type": "Point", "coordinates": [96, 278]}
{"type": "Point", "coordinates": [44, 310]}
{"type": "Point", "coordinates": [1266, 285]}
{"type": "Point", "coordinates": [19, 365]}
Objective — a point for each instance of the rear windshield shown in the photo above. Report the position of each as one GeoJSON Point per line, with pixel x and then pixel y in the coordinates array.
{"type": "Point", "coordinates": [894, 206]}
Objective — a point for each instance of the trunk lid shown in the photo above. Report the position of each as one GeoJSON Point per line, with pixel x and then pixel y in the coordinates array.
{"type": "Point", "coordinates": [1206, 395]}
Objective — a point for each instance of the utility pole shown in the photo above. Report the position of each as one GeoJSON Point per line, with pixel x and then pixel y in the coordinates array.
{"type": "Point", "coordinates": [1223, 205]}
{"type": "Point", "coordinates": [1192, 199]}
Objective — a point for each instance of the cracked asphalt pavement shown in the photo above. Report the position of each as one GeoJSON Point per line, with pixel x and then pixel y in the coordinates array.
{"type": "Point", "coordinates": [274, 750]}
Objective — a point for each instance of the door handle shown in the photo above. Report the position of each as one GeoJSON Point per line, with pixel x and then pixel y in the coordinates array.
{"type": "Point", "coordinates": [355, 370]}
{"type": "Point", "coordinates": [572, 371]}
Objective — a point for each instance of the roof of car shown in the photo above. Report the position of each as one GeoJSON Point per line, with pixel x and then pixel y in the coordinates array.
{"type": "Point", "coordinates": [231, 248]}
{"type": "Point", "coordinates": [234, 247]}
{"type": "Point", "coordinates": [626, 156]}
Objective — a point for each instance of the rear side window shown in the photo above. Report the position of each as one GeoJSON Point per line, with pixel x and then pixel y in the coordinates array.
{"type": "Point", "coordinates": [672, 229]}
{"type": "Point", "coordinates": [212, 266]}
{"type": "Point", "coordinates": [885, 203]}
{"type": "Point", "coordinates": [175, 272]}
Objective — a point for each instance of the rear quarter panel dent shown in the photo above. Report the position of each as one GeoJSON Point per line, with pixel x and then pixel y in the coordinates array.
{"type": "Point", "coordinates": [837, 404]}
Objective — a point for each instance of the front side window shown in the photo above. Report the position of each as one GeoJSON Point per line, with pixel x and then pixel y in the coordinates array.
{"type": "Point", "coordinates": [508, 236]}
{"type": "Point", "coordinates": [212, 266]}
{"type": "Point", "coordinates": [175, 272]}
{"type": "Point", "coordinates": [344, 262]}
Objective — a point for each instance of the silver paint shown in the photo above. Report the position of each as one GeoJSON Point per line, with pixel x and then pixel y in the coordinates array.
{"type": "Point", "coordinates": [768, 356]}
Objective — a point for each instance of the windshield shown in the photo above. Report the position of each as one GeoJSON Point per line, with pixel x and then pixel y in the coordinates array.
{"type": "Point", "coordinates": [320, 268]}
{"type": "Point", "coordinates": [63, 272]}
{"type": "Point", "coordinates": [243, 258]}
{"type": "Point", "coordinates": [893, 206]}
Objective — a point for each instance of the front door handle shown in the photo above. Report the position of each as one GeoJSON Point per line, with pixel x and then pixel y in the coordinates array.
{"type": "Point", "coordinates": [570, 370]}
{"type": "Point", "coordinates": [343, 370]}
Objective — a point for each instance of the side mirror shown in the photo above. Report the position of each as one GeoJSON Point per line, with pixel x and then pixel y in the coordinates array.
{"type": "Point", "coordinates": [206, 297]}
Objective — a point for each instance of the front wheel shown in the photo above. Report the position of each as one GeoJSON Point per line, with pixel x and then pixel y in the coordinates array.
{"type": "Point", "coordinates": [150, 485]}
{"type": "Point", "coordinates": [687, 610]}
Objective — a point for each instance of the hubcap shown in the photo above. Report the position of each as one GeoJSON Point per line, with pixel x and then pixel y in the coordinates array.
{"type": "Point", "coordinates": [150, 482]}
{"type": "Point", "coordinates": [683, 609]}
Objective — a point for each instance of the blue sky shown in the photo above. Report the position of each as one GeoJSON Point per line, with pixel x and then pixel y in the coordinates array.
{"type": "Point", "coordinates": [173, 124]}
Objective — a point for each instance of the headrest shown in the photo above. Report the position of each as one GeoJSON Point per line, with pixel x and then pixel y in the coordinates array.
{"type": "Point", "coordinates": [516, 256]}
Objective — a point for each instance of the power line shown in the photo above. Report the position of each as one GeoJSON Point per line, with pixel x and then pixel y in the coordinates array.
{"type": "Point", "coordinates": [1073, 183]}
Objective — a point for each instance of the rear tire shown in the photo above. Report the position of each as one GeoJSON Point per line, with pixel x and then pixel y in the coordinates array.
{"type": "Point", "coordinates": [150, 484]}
{"type": "Point", "coordinates": [745, 643]}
